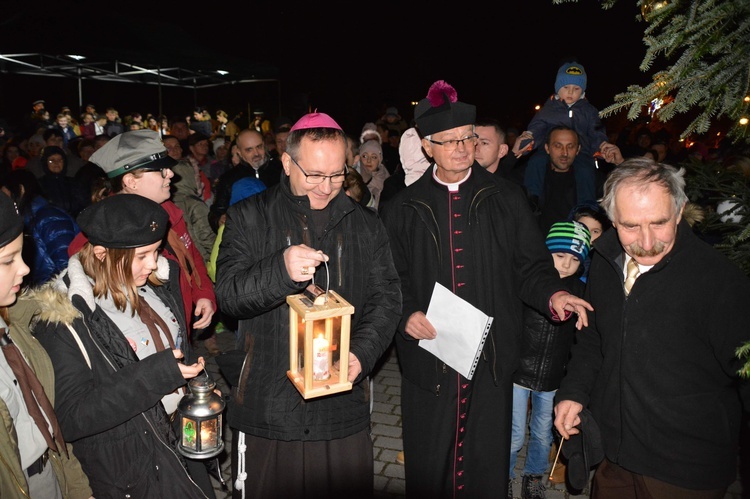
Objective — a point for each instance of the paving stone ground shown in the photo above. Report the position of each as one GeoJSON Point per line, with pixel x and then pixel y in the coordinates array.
{"type": "Point", "coordinates": [386, 434]}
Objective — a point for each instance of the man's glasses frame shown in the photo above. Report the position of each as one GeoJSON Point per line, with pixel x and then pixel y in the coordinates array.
{"type": "Point", "coordinates": [451, 145]}
{"type": "Point", "coordinates": [315, 179]}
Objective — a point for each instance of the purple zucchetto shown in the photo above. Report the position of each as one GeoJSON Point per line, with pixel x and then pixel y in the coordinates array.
{"type": "Point", "coordinates": [315, 120]}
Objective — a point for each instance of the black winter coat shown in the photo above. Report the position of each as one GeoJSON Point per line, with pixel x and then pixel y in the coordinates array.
{"type": "Point", "coordinates": [111, 411]}
{"type": "Point", "coordinates": [61, 190]}
{"type": "Point", "coordinates": [582, 117]}
{"type": "Point", "coordinates": [545, 346]}
{"type": "Point", "coordinates": [658, 368]}
{"type": "Point", "coordinates": [252, 284]}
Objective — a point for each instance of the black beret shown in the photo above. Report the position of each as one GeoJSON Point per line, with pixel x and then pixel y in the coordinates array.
{"type": "Point", "coordinates": [11, 223]}
{"type": "Point", "coordinates": [124, 221]}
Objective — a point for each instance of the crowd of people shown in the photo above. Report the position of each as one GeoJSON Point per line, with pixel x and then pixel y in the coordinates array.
{"type": "Point", "coordinates": [127, 240]}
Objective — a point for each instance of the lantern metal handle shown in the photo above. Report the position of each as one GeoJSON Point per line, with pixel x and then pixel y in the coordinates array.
{"type": "Point", "coordinates": [328, 281]}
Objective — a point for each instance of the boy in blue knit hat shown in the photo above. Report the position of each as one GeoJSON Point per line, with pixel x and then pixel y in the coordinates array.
{"type": "Point", "coordinates": [545, 348]}
{"type": "Point", "coordinates": [568, 107]}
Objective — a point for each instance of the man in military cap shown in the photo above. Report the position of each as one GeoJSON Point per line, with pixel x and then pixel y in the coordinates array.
{"type": "Point", "coordinates": [473, 233]}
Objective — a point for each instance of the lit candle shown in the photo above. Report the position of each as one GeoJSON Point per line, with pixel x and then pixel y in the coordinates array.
{"type": "Point", "coordinates": [208, 437]}
{"type": "Point", "coordinates": [320, 359]}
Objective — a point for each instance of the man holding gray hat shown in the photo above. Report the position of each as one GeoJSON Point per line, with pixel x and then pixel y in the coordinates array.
{"type": "Point", "coordinates": [473, 233]}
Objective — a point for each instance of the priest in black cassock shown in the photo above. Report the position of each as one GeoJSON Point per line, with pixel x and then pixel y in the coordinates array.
{"type": "Point", "coordinates": [474, 233]}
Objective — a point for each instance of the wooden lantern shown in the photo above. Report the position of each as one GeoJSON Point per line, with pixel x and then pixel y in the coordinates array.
{"type": "Point", "coordinates": [319, 328]}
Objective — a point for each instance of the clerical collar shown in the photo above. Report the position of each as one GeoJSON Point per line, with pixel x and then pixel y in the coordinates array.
{"type": "Point", "coordinates": [452, 187]}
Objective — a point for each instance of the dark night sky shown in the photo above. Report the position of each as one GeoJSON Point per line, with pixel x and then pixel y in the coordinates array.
{"type": "Point", "coordinates": [352, 61]}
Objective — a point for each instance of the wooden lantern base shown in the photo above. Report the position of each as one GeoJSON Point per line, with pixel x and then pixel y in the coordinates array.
{"type": "Point", "coordinates": [319, 388]}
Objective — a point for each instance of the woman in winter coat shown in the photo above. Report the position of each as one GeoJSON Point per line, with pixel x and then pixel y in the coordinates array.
{"type": "Point", "coordinates": [113, 326]}
{"type": "Point", "coordinates": [372, 169]}
{"type": "Point", "coordinates": [29, 466]}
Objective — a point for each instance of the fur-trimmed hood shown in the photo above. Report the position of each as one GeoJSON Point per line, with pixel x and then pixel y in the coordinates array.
{"type": "Point", "coordinates": [55, 297]}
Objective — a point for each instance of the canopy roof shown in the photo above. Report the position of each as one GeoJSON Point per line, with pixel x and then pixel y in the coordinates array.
{"type": "Point", "coordinates": [196, 74]}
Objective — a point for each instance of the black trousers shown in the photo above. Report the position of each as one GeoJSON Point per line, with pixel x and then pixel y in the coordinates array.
{"type": "Point", "coordinates": [340, 468]}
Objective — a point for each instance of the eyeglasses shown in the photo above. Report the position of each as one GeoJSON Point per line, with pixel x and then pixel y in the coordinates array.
{"type": "Point", "coordinates": [336, 179]}
{"type": "Point", "coordinates": [164, 171]}
{"type": "Point", "coordinates": [451, 145]}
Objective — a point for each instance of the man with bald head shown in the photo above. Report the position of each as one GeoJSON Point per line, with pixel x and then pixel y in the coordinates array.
{"type": "Point", "coordinates": [255, 161]}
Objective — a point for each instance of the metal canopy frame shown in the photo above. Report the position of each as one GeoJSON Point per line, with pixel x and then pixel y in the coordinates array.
{"type": "Point", "coordinates": [119, 71]}
{"type": "Point", "coordinates": [68, 66]}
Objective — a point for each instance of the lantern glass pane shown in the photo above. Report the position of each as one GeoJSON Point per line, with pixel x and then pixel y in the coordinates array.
{"type": "Point", "coordinates": [189, 433]}
{"type": "Point", "coordinates": [301, 344]}
{"type": "Point", "coordinates": [335, 339]}
{"type": "Point", "coordinates": [321, 356]}
{"type": "Point", "coordinates": [210, 437]}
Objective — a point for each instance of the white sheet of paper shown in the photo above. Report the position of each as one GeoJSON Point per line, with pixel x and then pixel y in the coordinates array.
{"type": "Point", "coordinates": [461, 330]}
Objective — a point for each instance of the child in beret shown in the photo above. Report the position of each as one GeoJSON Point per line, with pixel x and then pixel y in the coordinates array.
{"type": "Point", "coordinates": [114, 328]}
